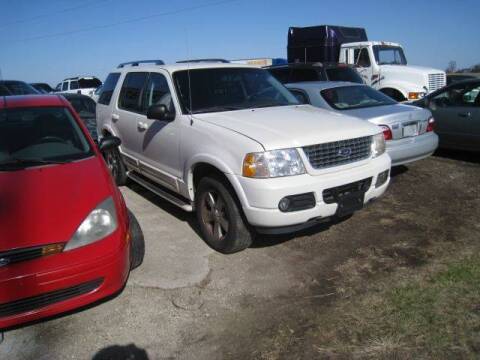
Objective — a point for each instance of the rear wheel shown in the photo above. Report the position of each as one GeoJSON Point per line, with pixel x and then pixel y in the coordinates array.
{"type": "Point", "coordinates": [219, 216]}
{"type": "Point", "coordinates": [116, 166]}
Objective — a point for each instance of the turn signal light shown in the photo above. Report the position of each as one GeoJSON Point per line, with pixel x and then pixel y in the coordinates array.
{"type": "Point", "coordinates": [249, 168]}
{"type": "Point", "coordinates": [387, 133]}
{"type": "Point", "coordinates": [414, 95]}
{"type": "Point", "coordinates": [431, 124]}
{"type": "Point", "coordinates": [52, 249]}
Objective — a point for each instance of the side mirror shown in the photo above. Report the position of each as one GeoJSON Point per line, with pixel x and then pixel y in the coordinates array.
{"type": "Point", "coordinates": [160, 112]}
{"type": "Point", "coordinates": [109, 143]}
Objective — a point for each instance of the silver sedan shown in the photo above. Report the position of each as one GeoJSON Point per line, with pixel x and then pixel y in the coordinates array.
{"type": "Point", "coordinates": [408, 130]}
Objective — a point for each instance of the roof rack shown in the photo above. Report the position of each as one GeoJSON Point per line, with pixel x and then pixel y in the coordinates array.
{"type": "Point", "coordinates": [136, 63]}
{"type": "Point", "coordinates": [223, 61]}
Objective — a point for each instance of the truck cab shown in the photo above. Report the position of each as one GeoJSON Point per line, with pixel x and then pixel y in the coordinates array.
{"type": "Point", "coordinates": [383, 65]}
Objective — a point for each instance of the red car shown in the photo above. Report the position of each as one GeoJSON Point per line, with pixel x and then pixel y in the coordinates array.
{"type": "Point", "coordinates": [66, 236]}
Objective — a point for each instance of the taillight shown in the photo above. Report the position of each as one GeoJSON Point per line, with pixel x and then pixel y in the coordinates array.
{"type": "Point", "coordinates": [431, 124]}
{"type": "Point", "coordinates": [387, 133]}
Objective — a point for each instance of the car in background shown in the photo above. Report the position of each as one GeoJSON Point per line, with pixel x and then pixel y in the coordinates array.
{"type": "Point", "coordinates": [68, 239]}
{"type": "Point", "coordinates": [408, 131]}
{"type": "Point", "coordinates": [456, 109]}
{"type": "Point", "coordinates": [85, 108]}
{"type": "Point", "coordinates": [43, 88]}
{"type": "Point", "coordinates": [301, 72]}
{"type": "Point", "coordinates": [14, 87]}
{"type": "Point", "coordinates": [80, 85]}
{"type": "Point", "coordinates": [456, 77]}
{"type": "Point", "coordinates": [96, 93]}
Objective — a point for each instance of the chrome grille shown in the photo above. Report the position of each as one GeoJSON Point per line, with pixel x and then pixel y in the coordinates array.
{"type": "Point", "coordinates": [436, 81]}
{"type": "Point", "coordinates": [336, 153]}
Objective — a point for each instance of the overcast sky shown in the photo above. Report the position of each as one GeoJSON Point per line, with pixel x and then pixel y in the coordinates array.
{"type": "Point", "coordinates": [49, 40]}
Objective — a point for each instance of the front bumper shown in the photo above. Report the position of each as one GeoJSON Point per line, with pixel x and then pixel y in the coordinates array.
{"type": "Point", "coordinates": [260, 197]}
{"type": "Point", "coordinates": [411, 149]}
{"type": "Point", "coordinates": [44, 287]}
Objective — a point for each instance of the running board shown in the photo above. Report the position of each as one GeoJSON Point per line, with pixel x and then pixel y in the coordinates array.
{"type": "Point", "coordinates": [163, 193]}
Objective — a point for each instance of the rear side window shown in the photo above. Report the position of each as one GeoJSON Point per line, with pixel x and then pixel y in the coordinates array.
{"type": "Point", "coordinates": [107, 88]}
{"type": "Point", "coordinates": [300, 95]}
{"type": "Point", "coordinates": [73, 85]}
{"type": "Point", "coordinates": [89, 83]}
{"type": "Point", "coordinates": [300, 75]}
{"type": "Point", "coordinates": [131, 93]}
{"type": "Point", "coordinates": [65, 86]}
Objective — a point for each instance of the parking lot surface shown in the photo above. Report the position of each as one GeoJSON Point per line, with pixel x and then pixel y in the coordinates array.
{"type": "Point", "coordinates": [187, 301]}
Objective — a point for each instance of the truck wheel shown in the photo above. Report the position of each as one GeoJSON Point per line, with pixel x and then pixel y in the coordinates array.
{"type": "Point", "coordinates": [137, 251]}
{"type": "Point", "coordinates": [220, 219]}
{"type": "Point", "coordinates": [116, 166]}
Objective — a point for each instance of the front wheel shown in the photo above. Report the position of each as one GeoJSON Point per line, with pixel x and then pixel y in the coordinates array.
{"type": "Point", "coordinates": [220, 219]}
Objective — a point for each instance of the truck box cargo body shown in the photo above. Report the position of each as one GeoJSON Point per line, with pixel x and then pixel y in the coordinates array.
{"type": "Point", "coordinates": [381, 64]}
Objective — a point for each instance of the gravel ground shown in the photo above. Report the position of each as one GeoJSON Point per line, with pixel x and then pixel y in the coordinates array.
{"type": "Point", "coordinates": [189, 302]}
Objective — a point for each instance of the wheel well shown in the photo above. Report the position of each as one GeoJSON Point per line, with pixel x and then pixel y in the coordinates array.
{"type": "Point", "coordinates": [394, 94]}
{"type": "Point", "coordinates": [203, 169]}
{"type": "Point", "coordinates": [105, 132]}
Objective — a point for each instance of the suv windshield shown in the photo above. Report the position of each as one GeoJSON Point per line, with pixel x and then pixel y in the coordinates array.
{"type": "Point", "coordinates": [354, 97]}
{"type": "Point", "coordinates": [37, 136]}
{"type": "Point", "coordinates": [344, 74]}
{"type": "Point", "coordinates": [227, 89]}
{"type": "Point", "coordinates": [89, 83]}
{"type": "Point", "coordinates": [389, 55]}
{"type": "Point", "coordinates": [16, 88]}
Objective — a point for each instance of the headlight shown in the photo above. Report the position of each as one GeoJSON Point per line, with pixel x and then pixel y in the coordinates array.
{"type": "Point", "coordinates": [274, 163]}
{"type": "Point", "coordinates": [378, 145]}
{"type": "Point", "coordinates": [100, 223]}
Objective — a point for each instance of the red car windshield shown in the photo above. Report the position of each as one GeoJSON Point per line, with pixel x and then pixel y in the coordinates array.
{"type": "Point", "coordinates": [36, 136]}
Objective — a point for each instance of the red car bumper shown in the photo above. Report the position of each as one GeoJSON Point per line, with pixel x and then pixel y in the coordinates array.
{"type": "Point", "coordinates": [55, 284]}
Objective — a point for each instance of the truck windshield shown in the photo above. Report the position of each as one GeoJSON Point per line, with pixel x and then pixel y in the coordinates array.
{"type": "Point", "coordinates": [389, 55]}
{"type": "Point", "coordinates": [355, 97]}
{"type": "Point", "coordinates": [39, 136]}
{"type": "Point", "coordinates": [229, 89]}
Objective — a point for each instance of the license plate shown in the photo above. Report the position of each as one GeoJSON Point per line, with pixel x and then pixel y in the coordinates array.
{"type": "Point", "coordinates": [410, 130]}
{"type": "Point", "coordinates": [348, 204]}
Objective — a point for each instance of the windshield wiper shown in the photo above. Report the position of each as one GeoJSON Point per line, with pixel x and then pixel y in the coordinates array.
{"type": "Point", "coordinates": [218, 108]}
{"type": "Point", "coordinates": [22, 162]}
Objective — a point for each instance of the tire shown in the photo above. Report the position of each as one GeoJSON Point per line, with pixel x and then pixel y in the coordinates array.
{"type": "Point", "coordinates": [219, 217]}
{"type": "Point", "coordinates": [116, 166]}
{"type": "Point", "coordinates": [137, 249]}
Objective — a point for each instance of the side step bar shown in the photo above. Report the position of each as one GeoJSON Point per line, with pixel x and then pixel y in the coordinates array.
{"type": "Point", "coordinates": [163, 193]}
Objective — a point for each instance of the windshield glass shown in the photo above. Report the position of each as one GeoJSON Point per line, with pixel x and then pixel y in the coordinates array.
{"type": "Point", "coordinates": [32, 136]}
{"type": "Point", "coordinates": [227, 89]}
{"type": "Point", "coordinates": [344, 74]}
{"type": "Point", "coordinates": [389, 55]}
{"type": "Point", "coordinates": [89, 83]}
{"type": "Point", "coordinates": [354, 97]}
{"type": "Point", "coordinates": [17, 88]}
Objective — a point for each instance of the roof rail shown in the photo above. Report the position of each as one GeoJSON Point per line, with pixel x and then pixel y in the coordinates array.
{"type": "Point", "coordinates": [136, 63]}
{"type": "Point", "coordinates": [203, 60]}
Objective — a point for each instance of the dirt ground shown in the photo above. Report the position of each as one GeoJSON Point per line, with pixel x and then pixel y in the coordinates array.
{"type": "Point", "coordinates": [310, 295]}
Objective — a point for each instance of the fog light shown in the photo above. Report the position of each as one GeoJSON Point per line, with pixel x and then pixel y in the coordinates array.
{"type": "Point", "coordinates": [284, 204]}
{"type": "Point", "coordinates": [382, 178]}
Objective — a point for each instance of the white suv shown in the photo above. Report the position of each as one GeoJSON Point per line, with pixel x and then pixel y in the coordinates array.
{"type": "Point", "coordinates": [231, 143]}
{"type": "Point", "coordinates": [79, 85]}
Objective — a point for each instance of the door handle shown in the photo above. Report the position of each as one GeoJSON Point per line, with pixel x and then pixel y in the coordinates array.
{"type": "Point", "coordinates": [115, 117]}
{"type": "Point", "coordinates": [465, 115]}
{"type": "Point", "coordinates": [142, 126]}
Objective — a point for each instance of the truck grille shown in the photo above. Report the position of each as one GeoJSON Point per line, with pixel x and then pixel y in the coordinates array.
{"type": "Point", "coordinates": [436, 81]}
{"type": "Point", "coordinates": [336, 153]}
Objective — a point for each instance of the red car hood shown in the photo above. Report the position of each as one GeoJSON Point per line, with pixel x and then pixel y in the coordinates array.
{"type": "Point", "coordinates": [45, 205]}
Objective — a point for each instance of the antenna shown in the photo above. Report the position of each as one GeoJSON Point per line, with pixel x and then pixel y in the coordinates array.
{"type": "Point", "coordinates": [189, 80]}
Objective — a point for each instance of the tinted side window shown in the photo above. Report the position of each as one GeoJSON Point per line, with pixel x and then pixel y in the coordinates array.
{"type": "Point", "coordinates": [301, 96]}
{"type": "Point", "coordinates": [299, 75]}
{"type": "Point", "coordinates": [131, 93]}
{"type": "Point", "coordinates": [157, 92]}
{"type": "Point", "coordinates": [344, 74]}
{"type": "Point", "coordinates": [73, 85]}
{"type": "Point", "coordinates": [65, 86]}
{"type": "Point", "coordinates": [361, 57]}
{"type": "Point", "coordinates": [281, 75]}
{"type": "Point", "coordinates": [107, 88]}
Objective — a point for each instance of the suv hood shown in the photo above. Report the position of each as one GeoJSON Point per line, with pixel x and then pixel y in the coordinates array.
{"type": "Point", "coordinates": [290, 126]}
{"type": "Point", "coordinates": [45, 205]}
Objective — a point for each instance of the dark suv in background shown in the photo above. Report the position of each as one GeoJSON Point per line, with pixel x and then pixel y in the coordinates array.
{"type": "Point", "coordinates": [300, 72]}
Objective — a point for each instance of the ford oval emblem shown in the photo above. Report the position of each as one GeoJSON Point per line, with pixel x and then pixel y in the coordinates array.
{"type": "Point", "coordinates": [345, 152]}
{"type": "Point", "coordinates": [4, 262]}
